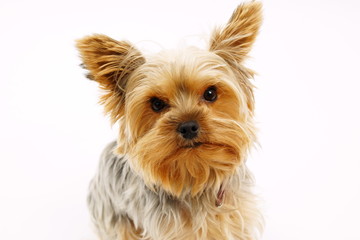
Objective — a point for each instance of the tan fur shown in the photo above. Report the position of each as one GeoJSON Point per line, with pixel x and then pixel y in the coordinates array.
{"type": "Point", "coordinates": [189, 175]}
{"type": "Point", "coordinates": [110, 63]}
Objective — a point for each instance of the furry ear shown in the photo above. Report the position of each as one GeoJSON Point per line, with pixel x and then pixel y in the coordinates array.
{"type": "Point", "coordinates": [110, 63]}
{"type": "Point", "coordinates": [234, 41]}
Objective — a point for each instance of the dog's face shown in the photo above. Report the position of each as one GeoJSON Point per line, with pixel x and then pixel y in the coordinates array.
{"type": "Point", "coordinates": [188, 120]}
{"type": "Point", "coordinates": [186, 117]}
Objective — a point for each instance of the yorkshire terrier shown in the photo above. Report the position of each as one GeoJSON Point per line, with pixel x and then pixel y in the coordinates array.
{"type": "Point", "coordinates": [178, 168]}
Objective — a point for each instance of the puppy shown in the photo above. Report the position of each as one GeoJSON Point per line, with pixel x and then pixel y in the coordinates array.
{"type": "Point", "coordinates": [178, 168]}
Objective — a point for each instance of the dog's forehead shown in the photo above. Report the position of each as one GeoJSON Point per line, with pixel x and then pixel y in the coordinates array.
{"type": "Point", "coordinates": [184, 71]}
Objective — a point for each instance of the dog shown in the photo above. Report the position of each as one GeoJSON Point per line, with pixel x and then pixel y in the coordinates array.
{"type": "Point", "coordinates": [178, 168]}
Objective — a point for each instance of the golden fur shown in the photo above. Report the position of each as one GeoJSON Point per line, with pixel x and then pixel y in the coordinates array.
{"type": "Point", "coordinates": [190, 173]}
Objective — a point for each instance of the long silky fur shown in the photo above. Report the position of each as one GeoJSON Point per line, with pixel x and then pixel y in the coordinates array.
{"type": "Point", "coordinates": [149, 185]}
{"type": "Point", "coordinates": [122, 204]}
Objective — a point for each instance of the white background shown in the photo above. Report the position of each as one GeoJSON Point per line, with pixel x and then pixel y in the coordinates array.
{"type": "Point", "coordinates": [52, 129]}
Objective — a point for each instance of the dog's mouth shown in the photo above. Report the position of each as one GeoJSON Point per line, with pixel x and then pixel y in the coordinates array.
{"type": "Point", "coordinates": [198, 144]}
{"type": "Point", "coordinates": [193, 145]}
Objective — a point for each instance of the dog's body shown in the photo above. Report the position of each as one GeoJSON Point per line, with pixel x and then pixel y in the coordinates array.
{"type": "Point", "coordinates": [123, 207]}
{"type": "Point", "coordinates": [177, 171]}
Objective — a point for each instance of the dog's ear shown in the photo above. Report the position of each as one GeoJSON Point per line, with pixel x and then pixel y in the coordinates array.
{"type": "Point", "coordinates": [110, 63]}
{"type": "Point", "coordinates": [234, 41]}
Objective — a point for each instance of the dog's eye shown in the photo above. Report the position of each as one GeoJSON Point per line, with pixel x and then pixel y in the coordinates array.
{"type": "Point", "coordinates": [210, 94]}
{"type": "Point", "coordinates": [157, 104]}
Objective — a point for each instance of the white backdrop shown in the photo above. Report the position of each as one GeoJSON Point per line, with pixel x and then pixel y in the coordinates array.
{"type": "Point", "coordinates": [52, 129]}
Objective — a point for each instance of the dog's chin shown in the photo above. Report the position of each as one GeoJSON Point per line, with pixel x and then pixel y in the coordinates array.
{"type": "Point", "coordinates": [205, 165]}
{"type": "Point", "coordinates": [185, 166]}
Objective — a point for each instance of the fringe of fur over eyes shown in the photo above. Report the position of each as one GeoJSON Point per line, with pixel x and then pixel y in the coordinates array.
{"type": "Point", "coordinates": [161, 214]}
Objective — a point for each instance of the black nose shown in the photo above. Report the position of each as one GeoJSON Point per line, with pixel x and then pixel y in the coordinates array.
{"type": "Point", "coordinates": [188, 130]}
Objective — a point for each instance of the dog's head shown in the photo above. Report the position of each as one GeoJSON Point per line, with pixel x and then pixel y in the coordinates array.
{"type": "Point", "coordinates": [186, 117]}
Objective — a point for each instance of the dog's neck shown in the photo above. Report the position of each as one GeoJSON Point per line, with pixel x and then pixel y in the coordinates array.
{"type": "Point", "coordinates": [219, 198]}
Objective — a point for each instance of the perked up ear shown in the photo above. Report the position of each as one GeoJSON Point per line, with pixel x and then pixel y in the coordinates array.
{"type": "Point", "coordinates": [110, 63]}
{"type": "Point", "coordinates": [234, 41]}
